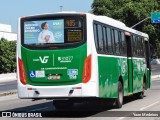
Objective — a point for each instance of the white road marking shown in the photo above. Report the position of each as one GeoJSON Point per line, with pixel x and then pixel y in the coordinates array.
{"type": "Point", "coordinates": [39, 109]}
{"type": "Point", "coordinates": [143, 108]}
{"type": "Point", "coordinates": [120, 118]}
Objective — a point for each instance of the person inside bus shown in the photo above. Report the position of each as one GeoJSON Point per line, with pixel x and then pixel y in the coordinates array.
{"type": "Point", "coordinates": [45, 36]}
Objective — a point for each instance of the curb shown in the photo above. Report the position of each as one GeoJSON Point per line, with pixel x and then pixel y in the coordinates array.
{"type": "Point", "coordinates": [8, 80]}
{"type": "Point", "coordinates": [155, 76]}
{"type": "Point", "coordinates": [6, 93]}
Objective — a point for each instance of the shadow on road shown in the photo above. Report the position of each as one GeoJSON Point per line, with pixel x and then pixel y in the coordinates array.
{"type": "Point", "coordinates": [85, 109]}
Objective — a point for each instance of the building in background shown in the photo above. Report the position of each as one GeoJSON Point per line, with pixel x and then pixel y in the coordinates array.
{"type": "Point", "coordinates": [6, 32]}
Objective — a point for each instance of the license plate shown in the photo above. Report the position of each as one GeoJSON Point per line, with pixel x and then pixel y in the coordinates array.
{"type": "Point", "coordinates": [54, 77]}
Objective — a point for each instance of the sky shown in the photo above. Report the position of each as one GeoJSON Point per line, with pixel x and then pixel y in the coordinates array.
{"type": "Point", "coordinates": [11, 10]}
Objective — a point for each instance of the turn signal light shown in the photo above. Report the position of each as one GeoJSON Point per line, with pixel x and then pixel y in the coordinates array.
{"type": "Point", "coordinates": [87, 69]}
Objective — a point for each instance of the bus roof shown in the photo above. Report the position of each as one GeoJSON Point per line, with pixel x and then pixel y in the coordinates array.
{"type": "Point", "coordinates": [103, 19]}
{"type": "Point", "coordinates": [117, 24]}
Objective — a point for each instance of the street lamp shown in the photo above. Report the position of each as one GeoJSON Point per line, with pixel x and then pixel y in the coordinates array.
{"type": "Point", "coordinates": [61, 8]}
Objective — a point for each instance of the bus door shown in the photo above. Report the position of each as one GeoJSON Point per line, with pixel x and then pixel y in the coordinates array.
{"type": "Point", "coordinates": [148, 59]}
{"type": "Point", "coordinates": [129, 61]}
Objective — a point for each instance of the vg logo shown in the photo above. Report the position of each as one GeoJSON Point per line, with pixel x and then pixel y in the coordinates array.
{"type": "Point", "coordinates": [44, 59]}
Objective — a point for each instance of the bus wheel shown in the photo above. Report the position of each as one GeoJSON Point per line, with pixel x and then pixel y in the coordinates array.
{"type": "Point", "coordinates": [140, 95]}
{"type": "Point", "coordinates": [119, 100]}
{"type": "Point", "coordinates": [62, 104]}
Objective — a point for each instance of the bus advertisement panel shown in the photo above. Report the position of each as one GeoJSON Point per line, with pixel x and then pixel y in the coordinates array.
{"type": "Point", "coordinates": [48, 31]}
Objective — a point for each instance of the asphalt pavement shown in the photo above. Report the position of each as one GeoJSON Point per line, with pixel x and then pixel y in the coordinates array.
{"type": "Point", "coordinates": [8, 86]}
{"type": "Point", "coordinates": [88, 110]}
{"type": "Point", "coordinates": [155, 69]}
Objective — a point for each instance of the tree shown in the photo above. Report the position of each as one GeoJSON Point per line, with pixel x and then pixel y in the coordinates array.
{"type": "Point", "coordinates": [131, 12]}
{"type": "Point", "coordinates": [7, 56]}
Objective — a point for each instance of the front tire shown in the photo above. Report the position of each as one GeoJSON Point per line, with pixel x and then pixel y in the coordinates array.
{"type": "Point", "coordinates": [119, 100]}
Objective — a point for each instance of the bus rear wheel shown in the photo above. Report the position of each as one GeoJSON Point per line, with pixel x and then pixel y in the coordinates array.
{"type": "Point", "coordinates": [119, 100]}
{"type": "Point", "coordinates": [140, 95]}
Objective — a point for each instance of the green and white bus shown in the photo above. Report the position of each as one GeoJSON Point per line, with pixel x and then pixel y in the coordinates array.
{"type": "Point", "coordinates": [69, 56]}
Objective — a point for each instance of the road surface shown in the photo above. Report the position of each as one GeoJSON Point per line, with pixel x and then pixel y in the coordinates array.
{"type": "Point", "coordinates": [8, 86]}
{"type": "Point", "coordinates": [98, 111]}
{"type": "Point", "coordinates": [155, 69]}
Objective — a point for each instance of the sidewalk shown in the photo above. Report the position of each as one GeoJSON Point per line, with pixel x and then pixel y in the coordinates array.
{"type": "Point", "coordinates": [8, 77]}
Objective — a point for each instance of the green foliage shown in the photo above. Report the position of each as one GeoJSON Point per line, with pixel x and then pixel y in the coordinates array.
{"type": "Point", "coordinates": [131, 12]}
{"type": "Point", "coordinates": [7, 56]}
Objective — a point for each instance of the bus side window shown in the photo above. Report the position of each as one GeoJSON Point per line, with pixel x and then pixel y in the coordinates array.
{"type": "Point", "coordinates": [123, 47]}
{"type": "Point", "coordinates": [116, 43]}
{"type": "Point", "coordinates": [95, 36]}
{"type": "Point", "coordinates": [139, 44]}
{"type": "Point", "coordinates": [110, 50]}
{"type": "Point", "coordinates": [105, 40]}
{"type": "Point", "coordinates": [147, 53]}
{"type": "Point", "coordinates": [113, 41]}
{"type": "Point", "coordinates": [142, 48]}
{"type": "Point", "coordinates": [143, 43]}
{"type": "Point", "coordinates": [133, 45]}
{"type": "Point", "coordinates": [120, 42]}
{"type": "Point", "coordinates": [136, 46]}
{"type": "Point", "coordinates": [100, 39]}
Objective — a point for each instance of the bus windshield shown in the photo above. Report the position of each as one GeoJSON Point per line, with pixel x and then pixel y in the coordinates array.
{"type": "Point", "coordinates": [45, 31]}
